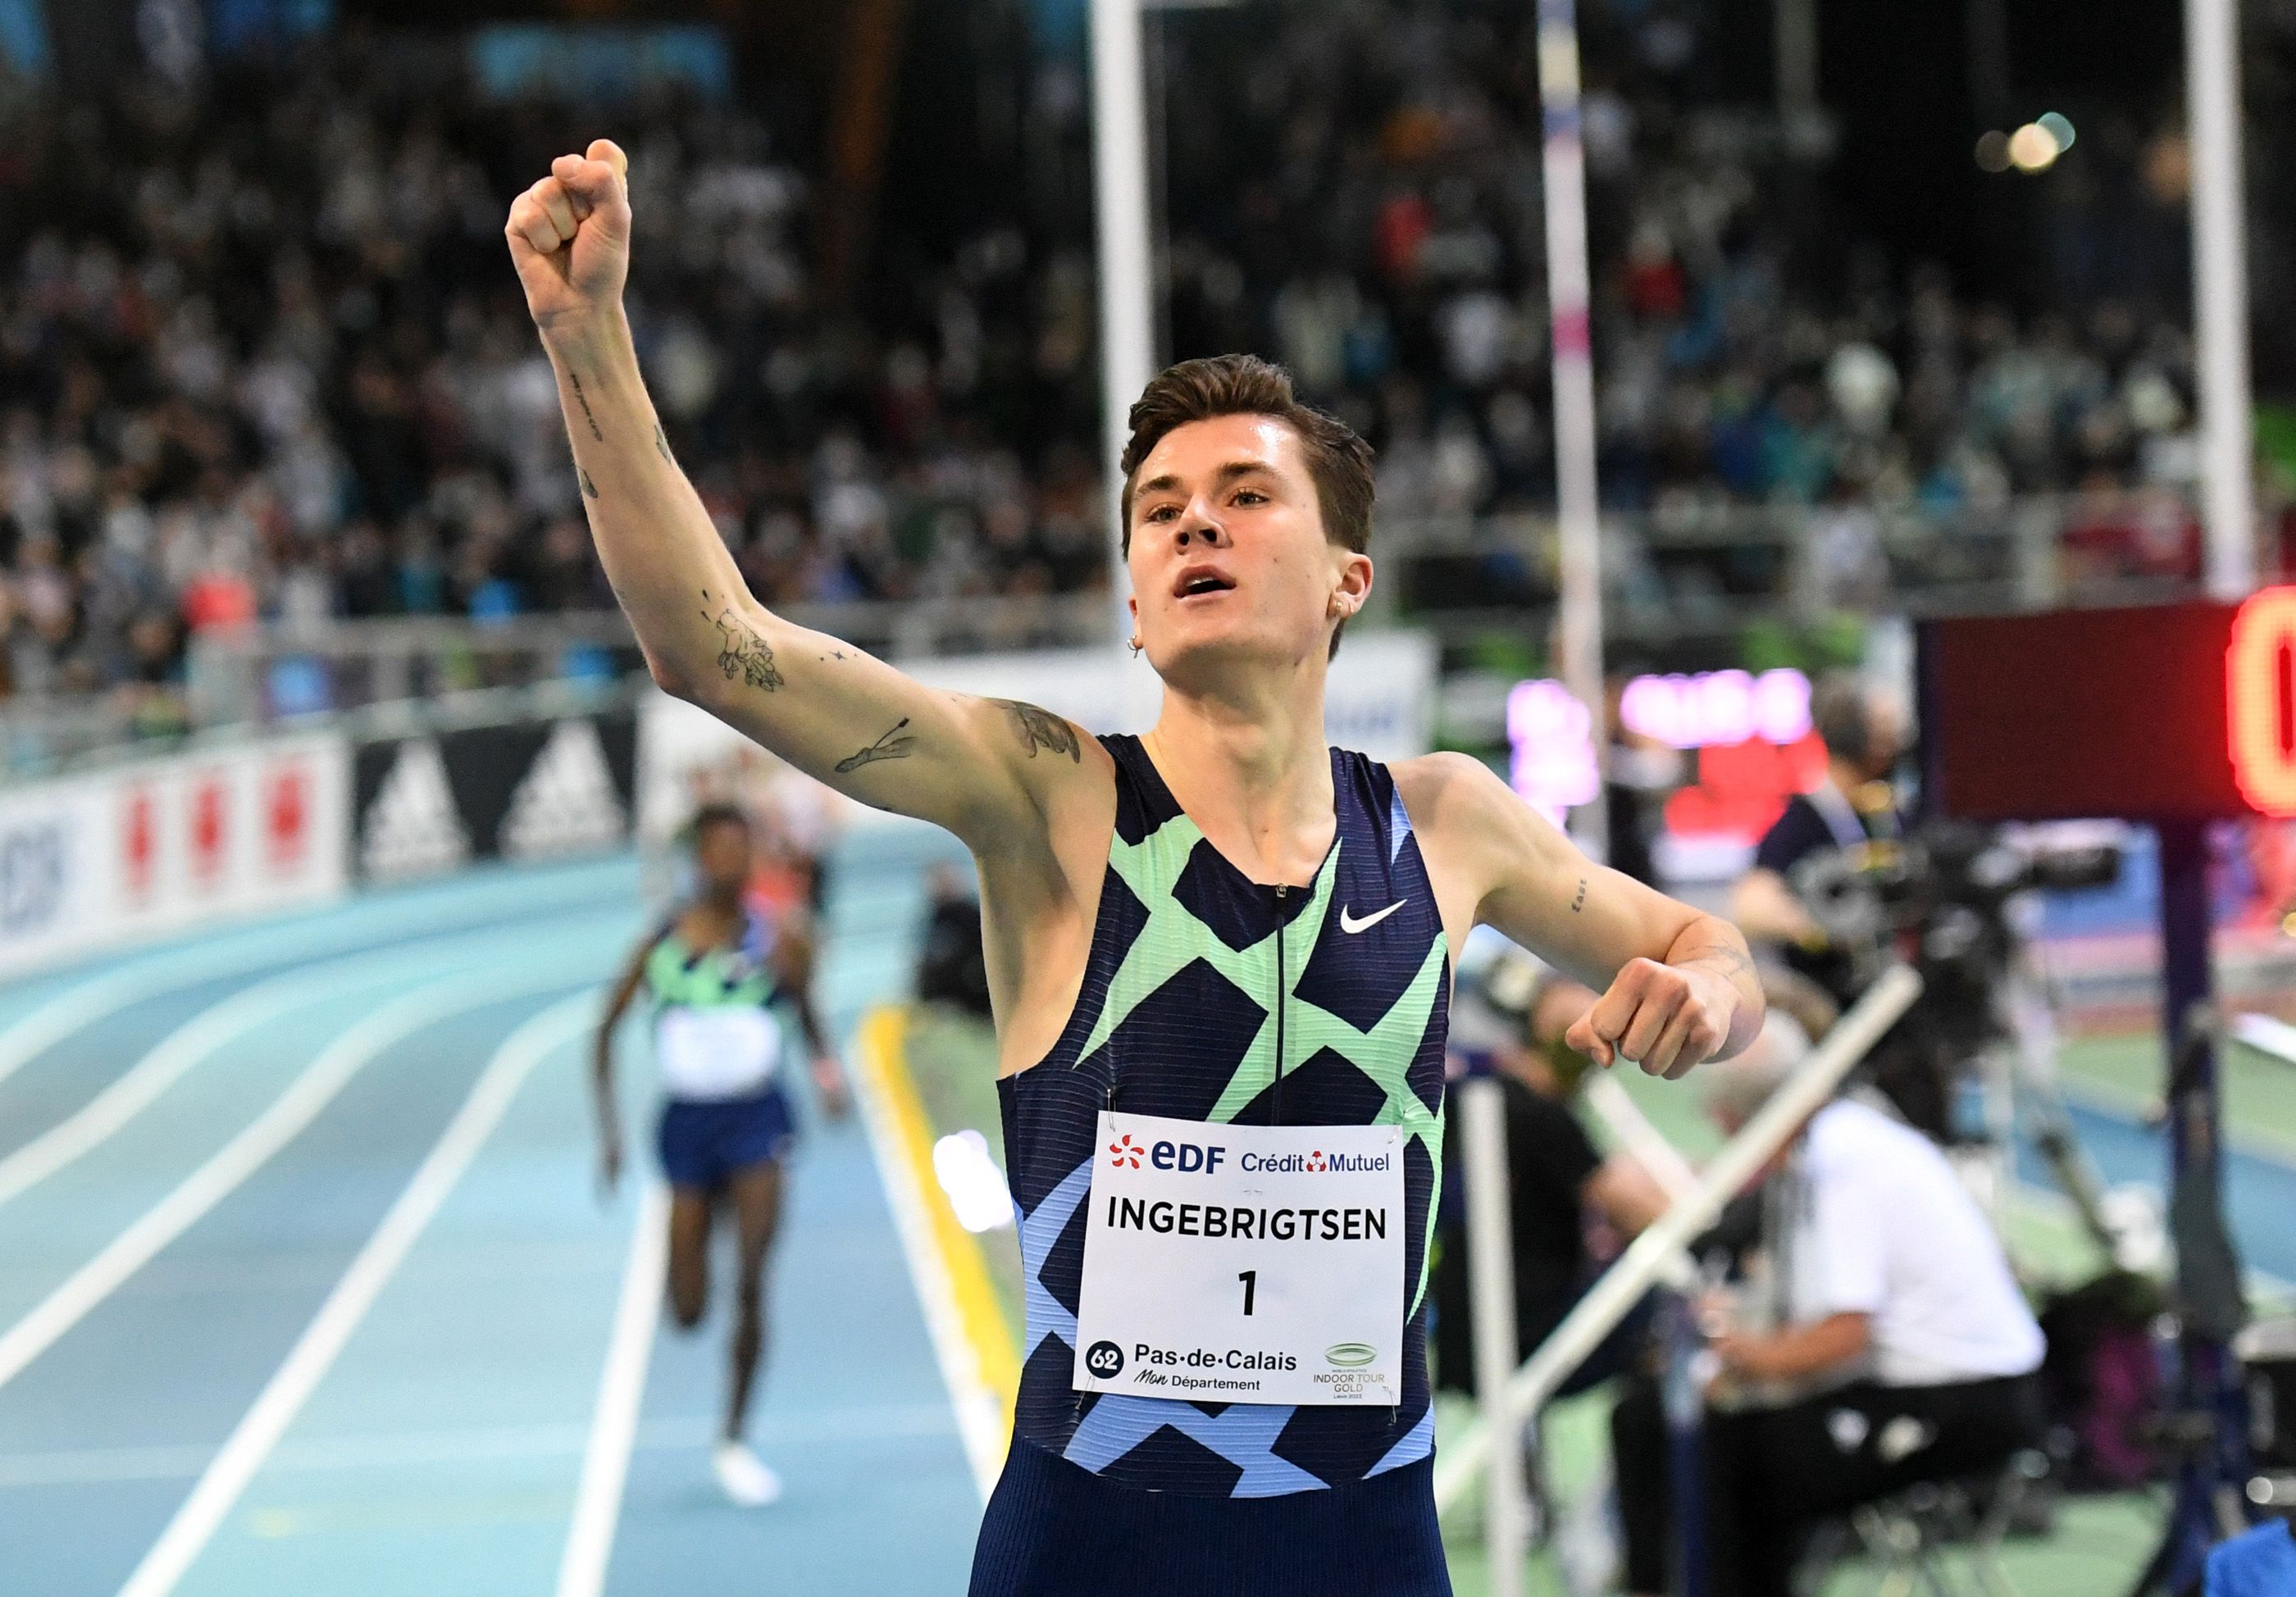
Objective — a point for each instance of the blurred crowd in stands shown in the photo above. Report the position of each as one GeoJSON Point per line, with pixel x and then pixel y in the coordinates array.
{"type": "Point", "coordinates": [261, 354]}
{"type": "Point", "coordinates": [1386, 238]}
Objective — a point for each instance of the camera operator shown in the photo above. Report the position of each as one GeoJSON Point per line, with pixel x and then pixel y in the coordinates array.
{"type": "Point", "coordinates": [1886, 1343]}
{"type": "Point", "coordinates": [1865, 733]}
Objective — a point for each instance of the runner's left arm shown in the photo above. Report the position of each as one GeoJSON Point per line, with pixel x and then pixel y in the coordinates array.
{"type": "Point", "coordinates": [1678, 985]}
{"type": "Point", "coordinates": [793, 957]}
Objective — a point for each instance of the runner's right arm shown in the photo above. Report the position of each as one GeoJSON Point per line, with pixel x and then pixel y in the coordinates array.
{"type": "Point", "coordinates": [602, 1064]}
{"type": "Point", "coordinates": [977, 768]}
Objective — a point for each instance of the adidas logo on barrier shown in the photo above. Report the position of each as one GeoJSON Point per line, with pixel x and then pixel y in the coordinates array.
{"type": "Point", "coordinates": [566, 801]}
{"type": "Point", "coordinates": [412, 828]}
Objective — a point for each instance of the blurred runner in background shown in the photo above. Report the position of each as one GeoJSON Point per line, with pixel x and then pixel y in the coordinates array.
{"type": "Point", "coordinates": [722, 973]}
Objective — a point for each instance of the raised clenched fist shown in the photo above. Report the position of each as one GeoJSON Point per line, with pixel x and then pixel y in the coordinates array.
{"type": "Point", "coordinates": [570, 236]}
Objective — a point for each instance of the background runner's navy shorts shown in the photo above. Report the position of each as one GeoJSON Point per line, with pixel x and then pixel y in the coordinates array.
{"type": "Point", "coordinates": [702, 1142]}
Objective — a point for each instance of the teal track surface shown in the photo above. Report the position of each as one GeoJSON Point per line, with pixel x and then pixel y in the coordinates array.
{"type": "Point", "coordinates": [2260, 1192]}
{"type": "Point", "coordinates": [441, 1450]}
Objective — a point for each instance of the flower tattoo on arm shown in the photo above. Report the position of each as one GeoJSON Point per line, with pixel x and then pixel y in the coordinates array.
{"type": "Point", "coordinates": [742, 653]}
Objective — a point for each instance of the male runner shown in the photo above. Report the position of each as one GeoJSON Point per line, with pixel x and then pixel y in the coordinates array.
{"type": "Point", "coordinates": [1218, 955]}
{"type": "Point", "coordinates": [720, 973]}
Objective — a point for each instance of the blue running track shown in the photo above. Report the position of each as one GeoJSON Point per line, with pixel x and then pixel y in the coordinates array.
{"type": "Point", "coordinates": [190, 1167]}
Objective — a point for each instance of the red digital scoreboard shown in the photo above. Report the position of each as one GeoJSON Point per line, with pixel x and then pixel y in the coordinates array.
{"type": "Point", "coordinates": [2148, 713]}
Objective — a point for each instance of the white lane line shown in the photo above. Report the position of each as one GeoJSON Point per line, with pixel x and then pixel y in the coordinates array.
{"type": "Point", "coordinates": [246, 1153]}
{"type": "Point", "coordinates": [53, 1019]}
{"type": "Point", "coordinates": [137, 1088]}
{"type": "Point", "coordinates": [621, 1388]}
{"type": "Point", "coordinates": [283, 1398]}
{"type": "Point", "coordinates": [857, 1425]}
{"type": "Point", "coordinates": [981, 1418]}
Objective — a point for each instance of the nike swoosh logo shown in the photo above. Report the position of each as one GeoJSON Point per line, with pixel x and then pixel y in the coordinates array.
{"type": "Point", "coordinates": [1348, 923]}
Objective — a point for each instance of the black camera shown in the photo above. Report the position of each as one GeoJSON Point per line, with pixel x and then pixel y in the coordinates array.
{"type": "Point", "coordinates": [1942, 900]}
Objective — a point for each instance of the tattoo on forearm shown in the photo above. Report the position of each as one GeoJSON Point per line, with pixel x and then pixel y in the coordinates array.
{"type": "Point", "coordinates": [661, 444]}
{"type": "Point", "coordinates": [1579, 902]}
{"type": "Point", "coordinates": [589, 488]}
{"type": "Point", "coordinates": [1733, 962]}
{"type": "Point", "coordinates": [583, 400]}
{"type": "Point", "coordinates": [1040, 730]}
{"type": "Point", "coordinates": [743, 653]}
{"type": "Point", "coordinates": [891, 746]}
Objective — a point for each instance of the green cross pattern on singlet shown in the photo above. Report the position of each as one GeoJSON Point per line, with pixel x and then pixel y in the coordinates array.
{"type": "Point", "coordinates": [1173, 938]}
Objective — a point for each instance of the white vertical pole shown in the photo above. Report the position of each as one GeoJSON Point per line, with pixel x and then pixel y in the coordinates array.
{"type": "Point", "coordinates": [1793, 44]}
{"type": "Point", "coordinates": [1119, 183]}
{"type": "Point", "coordinates": [2220, 292]}
{"type": "Point", "coordinates": [1580, 643]}
{"type": "Point", "coordinates": [1490, 1269]}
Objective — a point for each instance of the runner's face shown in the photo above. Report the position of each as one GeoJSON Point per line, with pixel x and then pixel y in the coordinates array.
{"type": "Point", "coordinates": [721, 854]}
{"type": "Point", "coordinates": [1228, 557]}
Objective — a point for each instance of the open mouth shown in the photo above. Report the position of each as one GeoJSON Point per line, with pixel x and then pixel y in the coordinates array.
{"type": "Point", "coordinates": [1193, 585]}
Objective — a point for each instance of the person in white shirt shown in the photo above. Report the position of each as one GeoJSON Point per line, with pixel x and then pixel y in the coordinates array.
{"type": "Point", "coordinates": [1893, 1316]}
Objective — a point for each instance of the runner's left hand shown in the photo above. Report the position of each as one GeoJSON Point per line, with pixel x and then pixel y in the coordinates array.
{"type": "Point", "coordinates": [829, 1081]}
{"type": "Point", "coordinates": [1665, 1018]}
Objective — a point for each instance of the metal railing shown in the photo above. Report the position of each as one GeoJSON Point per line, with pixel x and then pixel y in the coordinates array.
{"type": "Point", "coordinates": [1698, 568]}
{"type": "Point", "coordinates": [405, 717]}
{"type": "Point", "coordinates": [267, 672]}
{"type": "Point", "coordinates": [1508, 1407]}
{"type": "Point", "coordinates": [40, 735]}
{"type": "Point", "coordinates": [1686, 569]}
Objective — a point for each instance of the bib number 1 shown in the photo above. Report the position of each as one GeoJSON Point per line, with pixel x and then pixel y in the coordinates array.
{"type": "Point", "coordinates": [1243, 1264]}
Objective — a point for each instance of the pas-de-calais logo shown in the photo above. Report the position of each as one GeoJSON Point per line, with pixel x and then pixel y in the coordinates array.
{"type": "Point", "coordinates": [1127, 1152]}
{"type": "Point", "coordinates": [1316, 1161]}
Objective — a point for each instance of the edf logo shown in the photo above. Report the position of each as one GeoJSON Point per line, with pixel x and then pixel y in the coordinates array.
{"type": "Point", "coordinates": [1185, 1157]}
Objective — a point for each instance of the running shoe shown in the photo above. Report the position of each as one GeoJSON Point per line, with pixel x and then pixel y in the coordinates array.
{"type": "Point", "coordinates": [747, 1480]}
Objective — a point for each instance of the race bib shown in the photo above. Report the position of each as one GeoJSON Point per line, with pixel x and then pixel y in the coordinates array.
{"type": "Point", "coordinates": [1243, 1264]}
{"type": "Point", "coordinates": [716, 1053]}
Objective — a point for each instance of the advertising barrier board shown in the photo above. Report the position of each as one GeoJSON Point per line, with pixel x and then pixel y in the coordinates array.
{"type": "Point", "coordinates": [92, 861]}
{"type": "Point", "coordinates": [537, 788]}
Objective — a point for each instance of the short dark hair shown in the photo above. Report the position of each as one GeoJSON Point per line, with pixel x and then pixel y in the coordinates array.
{"type": "Point", "coordinates": [1841, 711]}
{"type": "Point", "coordinates": [1244, 385]}
{"type": "Point", "coordinates": [717, 813]}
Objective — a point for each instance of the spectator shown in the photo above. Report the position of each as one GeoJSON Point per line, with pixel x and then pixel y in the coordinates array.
{"type": "Point", "coordinates": [1896, 1347]}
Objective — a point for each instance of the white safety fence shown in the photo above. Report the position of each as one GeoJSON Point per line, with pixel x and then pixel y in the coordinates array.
{"type": "Point", "coordinates": [1511, 1404]}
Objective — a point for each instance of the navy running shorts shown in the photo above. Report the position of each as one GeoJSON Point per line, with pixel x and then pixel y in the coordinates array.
{"type": "Point", "coordinates": [704, 1141]}
{"type": "Point", "coordinates": [1053, 1529]}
